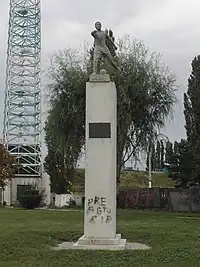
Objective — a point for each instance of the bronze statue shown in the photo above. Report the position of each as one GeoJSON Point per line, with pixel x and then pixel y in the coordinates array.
{"type": "Point", "coordinates": [104, 47]}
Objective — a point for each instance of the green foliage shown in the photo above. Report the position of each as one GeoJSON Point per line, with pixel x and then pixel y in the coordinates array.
{"type": "Point", "coordinates": [65, 126]}
{"type": "Point", "coordinates": [192, 103]}
{"type": "Point", "coordinates": [6, 167]}
{"type": "Point", "coordinates": [162, 154]}
{"type": "Point", "coordinates": [152, 150]}
{"type": "Point", "coordinates": [147, 160]}
{"type": "Point", "coordinates": [57, 164]}
{"type": "Point", "coordinates": [186, 164]}
{"type": "Point", "coordinates": [145, 97]}
{"type": "Point", "coordinates": [158, 156]}
{"type": "Point", "coordinates": [72, 204]}
{"type": "Point", "coordinates": [181, 169]}
{"type": "Point", "coordinates": [169, 153]}
{"type": "Point", "coordinates": [192, 119]}
{"type": "Point", "coordinates": [176, 148]}
{"type": "Point", "coordinates": [31, 199]}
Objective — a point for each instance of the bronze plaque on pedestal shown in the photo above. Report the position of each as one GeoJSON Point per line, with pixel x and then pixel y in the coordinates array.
{"type": "Point", "coordinates": [100, 130]}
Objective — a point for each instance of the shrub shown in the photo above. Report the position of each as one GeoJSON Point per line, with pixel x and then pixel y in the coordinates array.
{"type": "Point", "coordinates": [71, 203]}
{"type": "Point", "coordinates": [31, 199]}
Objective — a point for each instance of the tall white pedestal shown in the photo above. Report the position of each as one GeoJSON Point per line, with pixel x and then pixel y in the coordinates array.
{"type": "Point", "coordinates": [100, 169]}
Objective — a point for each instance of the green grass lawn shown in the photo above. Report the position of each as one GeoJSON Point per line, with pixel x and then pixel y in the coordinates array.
{"type": "Point", "coordinates": [129, 179]}
{"type": "Point", "coordinates": [26, 238]}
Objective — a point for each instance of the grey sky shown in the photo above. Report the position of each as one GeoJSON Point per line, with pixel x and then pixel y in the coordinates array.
{"type": "Point", "coordinates": [168, 26]}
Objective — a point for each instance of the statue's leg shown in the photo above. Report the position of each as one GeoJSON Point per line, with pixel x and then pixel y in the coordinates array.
{"type": "Point", "coordinates": [96, 61]}
{"type": "Point", "coordinates": [110, 60]}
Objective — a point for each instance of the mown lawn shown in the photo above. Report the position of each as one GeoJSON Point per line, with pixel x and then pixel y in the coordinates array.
{"type": "Point", "coordinates": [26, 238]}
{"type": "Point", "coordinates": [129, 179]}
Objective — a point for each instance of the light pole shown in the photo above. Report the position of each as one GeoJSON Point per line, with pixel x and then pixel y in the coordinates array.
{"type": "Point", "coordinates": [151, 141]}
{"type": "Point", "coordinates": [150, 156]}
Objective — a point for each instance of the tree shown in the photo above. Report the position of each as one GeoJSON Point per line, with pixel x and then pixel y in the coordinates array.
{"type": "Point", "coordinates": [145, 90]}
{"type": "Point", "coordinates": [177, 151]}
{"type": "Point", "coordinates": [158, 156]}
{"type": "Point", "coordinates": [147, 160]}
{"type": "Point", "coordinates": [176, 148]}
{"type": "Point", "coordinates": [192, 119]}
{"type": "Point", "coordinates": [180, 170]}
{"type": "Point", "coordinates": [54, 166]}
{"type": "Point", "coordinates": [6, 167]}
{"type": "Point", "coordinates": [151, 150]}
{"type": "Point", "coordinates": [191, 103]}
{"type": "Point", "coordinates": [65, 125]}
{"type": "Point", "coordinates": [162, 155]}
{"type": "Point", "coordinates": [169, 153]}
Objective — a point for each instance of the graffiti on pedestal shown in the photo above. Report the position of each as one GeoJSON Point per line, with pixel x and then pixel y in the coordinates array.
{"type": "Point", "coordinates": [97, 210]}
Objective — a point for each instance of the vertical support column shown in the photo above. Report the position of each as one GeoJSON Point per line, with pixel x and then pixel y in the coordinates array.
{"type": "Point", "coordinates": [100, 169]}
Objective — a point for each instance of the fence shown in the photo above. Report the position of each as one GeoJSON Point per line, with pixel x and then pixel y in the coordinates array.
{"type": "Point", "coordinates": [171, 199]}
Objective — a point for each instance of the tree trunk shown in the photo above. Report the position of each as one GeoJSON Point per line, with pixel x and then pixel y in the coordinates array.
{"type": "Point", "coordinates": [118, 180]}
{"type": "Point", "coordinates": [119, 167]}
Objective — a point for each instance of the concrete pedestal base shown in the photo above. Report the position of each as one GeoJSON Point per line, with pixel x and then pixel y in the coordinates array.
{"type": "Point", "coordinates": [129, 246]}
{"type": "Point", "coordinates": [100, 167]}
{"type": "Point", "coordinates": [101, 243]}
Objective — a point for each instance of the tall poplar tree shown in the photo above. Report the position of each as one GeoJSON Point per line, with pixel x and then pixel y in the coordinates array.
{"type": "Point", "coordinates": [158, 156]}
{"type": "Point", "coordinates": [162, 154]}
{"type": "Point", "coordinates": [169, 153]}
{"type": "Point", "coordinates": [192, 120]}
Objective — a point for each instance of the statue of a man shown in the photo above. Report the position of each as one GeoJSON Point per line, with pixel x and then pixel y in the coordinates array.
{"type": "Point", "coordinates": [101, 50]}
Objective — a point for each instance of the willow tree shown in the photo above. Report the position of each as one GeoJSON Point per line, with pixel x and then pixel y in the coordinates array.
{"type": "Point", "coordinates": [65, 125]}
{"type": "Point", "coordinates": [145, 98]}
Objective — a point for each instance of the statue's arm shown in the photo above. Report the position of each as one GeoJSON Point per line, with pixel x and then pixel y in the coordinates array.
{"type": "Point", "coordinates": [93, 33]}
{"type": "Point", "coordinates": [109, 39]}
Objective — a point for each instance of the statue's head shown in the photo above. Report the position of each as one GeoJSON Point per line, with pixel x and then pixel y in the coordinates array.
{"type": "Point", "coordinates": [98, 25]}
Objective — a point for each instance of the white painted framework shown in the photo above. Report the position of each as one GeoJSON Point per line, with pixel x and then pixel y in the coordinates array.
{"type": "Point", "coordinates": [22, 113]}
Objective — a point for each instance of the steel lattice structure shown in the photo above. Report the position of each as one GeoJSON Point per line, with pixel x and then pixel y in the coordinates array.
{"type": "Point", "coordinates": [22, 114]}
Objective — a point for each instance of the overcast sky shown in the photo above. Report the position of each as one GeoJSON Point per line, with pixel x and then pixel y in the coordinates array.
{"type": "Point", "coordinates": [170, 27]}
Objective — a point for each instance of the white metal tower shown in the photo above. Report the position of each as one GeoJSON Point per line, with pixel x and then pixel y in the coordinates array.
{"type": "Point", "coordinates": [22, 114]}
